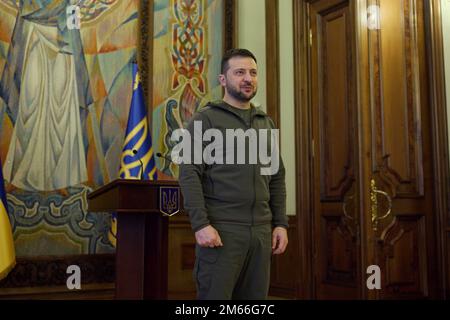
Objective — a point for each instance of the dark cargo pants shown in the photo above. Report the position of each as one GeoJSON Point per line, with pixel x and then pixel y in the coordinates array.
{"type": "Point", "coordinates": [238, 270]}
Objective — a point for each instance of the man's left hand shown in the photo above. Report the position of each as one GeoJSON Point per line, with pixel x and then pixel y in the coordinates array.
{"type": "Point", "coordinates": [279, 240]}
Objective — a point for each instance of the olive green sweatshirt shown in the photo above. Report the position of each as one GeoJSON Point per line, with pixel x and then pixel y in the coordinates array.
{"type": "Point", "coordinates": [230, 192]}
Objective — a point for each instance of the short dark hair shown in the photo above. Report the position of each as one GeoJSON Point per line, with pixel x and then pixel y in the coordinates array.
{"type": "Point", "coordinates": [235, 53]}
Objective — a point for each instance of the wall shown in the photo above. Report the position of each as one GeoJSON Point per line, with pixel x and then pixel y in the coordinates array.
{"type": "Point", "coordinates": [251, 35]}
{"type": "Point", "coordinates": [287, 98]}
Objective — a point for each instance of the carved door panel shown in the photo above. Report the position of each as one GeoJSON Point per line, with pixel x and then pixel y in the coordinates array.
{"type": "Point", "coordinates": [335, 146]}
{"type": "Point", "coordinates": [401, 165]}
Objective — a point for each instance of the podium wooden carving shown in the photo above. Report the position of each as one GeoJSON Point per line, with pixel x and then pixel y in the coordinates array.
{"type": "Point", "coordinates": [142, 233]}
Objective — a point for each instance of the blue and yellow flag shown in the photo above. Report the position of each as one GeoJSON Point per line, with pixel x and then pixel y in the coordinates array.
{"type": "Point", "coordinates": [137, 154]}
{"type": "Point", "coordinates": [7, 252]}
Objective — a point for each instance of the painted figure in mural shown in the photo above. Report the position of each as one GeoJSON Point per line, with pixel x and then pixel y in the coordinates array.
{"type": "Point", "coordinates": [45, 85]}
{"type": "Point", "coordinates": [46, 89]}
{"type": "Point", "coordinates": [64, 99]}
{"type": "Point", "coordinates": [237, 213]}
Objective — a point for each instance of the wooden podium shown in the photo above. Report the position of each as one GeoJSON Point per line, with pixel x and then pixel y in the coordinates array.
{"type": "Point", "coordinates": [142, 233]}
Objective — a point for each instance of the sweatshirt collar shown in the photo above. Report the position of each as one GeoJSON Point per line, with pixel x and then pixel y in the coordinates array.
{"type": "Point", "coordinates": [225, 106]}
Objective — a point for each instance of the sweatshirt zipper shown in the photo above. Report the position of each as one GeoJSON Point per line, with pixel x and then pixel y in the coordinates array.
{"type": "Point", "coordinates": [254, 180]}
{"type": "Point", "coordinates": [252, 115]}
{"type": "Point", "coordinates": [255, 166]}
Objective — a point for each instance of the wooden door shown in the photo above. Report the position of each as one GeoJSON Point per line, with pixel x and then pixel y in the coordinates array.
{"type": "Point", "coordinates": [335, 146]}
{"type": "Point", "coordinates": [372, 174]}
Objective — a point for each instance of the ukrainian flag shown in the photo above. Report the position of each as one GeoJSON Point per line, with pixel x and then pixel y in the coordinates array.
{"type": "Point", "coordinates": [137, 154]}
{"type": "Point", "coordinates": [7, 253]}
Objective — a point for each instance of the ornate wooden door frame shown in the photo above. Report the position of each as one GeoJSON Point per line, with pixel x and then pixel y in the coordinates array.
{"type": "Point", "coordinates": [435, 55]}
{"type": "Point", "coordinates": [436, 80]}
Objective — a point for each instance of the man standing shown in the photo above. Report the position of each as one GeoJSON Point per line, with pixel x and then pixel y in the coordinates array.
{"type": "Point", "coordinates": [237, 213]}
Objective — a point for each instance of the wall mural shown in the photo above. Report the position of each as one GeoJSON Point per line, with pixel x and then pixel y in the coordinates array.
{"type": "Point", "coordinates": [64, 101]}
{"type": "Point", "coordinates": [188, 46]}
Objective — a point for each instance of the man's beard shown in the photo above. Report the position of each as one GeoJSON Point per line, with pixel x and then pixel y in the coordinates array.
{"type": "Point", "coordinates": [239, 95]}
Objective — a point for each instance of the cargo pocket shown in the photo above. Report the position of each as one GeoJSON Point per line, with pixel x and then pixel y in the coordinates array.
{"type": "Point", "coordinates": [211, 183]}
{"type": "Point", "coordinates": [204, 269]}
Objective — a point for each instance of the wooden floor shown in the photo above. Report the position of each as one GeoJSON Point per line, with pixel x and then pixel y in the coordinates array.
{"type": "Point", "coordinates": [87, 292]}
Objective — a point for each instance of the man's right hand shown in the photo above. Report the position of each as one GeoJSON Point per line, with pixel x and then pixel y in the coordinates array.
{"type": "Point", "coordinates": [208, 237]}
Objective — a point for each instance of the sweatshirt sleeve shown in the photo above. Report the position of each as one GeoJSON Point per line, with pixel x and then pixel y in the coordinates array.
{"type": "Point", "coordinates": [277, 187]}
{"type": "Point", "coordinates": [190, 180]}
